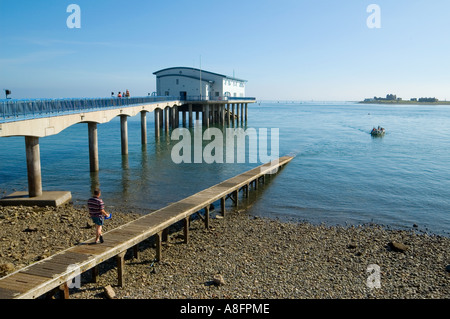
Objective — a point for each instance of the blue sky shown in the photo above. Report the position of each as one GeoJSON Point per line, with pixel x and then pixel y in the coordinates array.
{"type": "Point", "coordinates": [286, 49]}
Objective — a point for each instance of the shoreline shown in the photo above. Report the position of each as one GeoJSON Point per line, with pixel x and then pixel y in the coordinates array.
{"type": "Point", "coordinates": [405, 102]}
{"type": "Point", "coordinates": [258, 258]}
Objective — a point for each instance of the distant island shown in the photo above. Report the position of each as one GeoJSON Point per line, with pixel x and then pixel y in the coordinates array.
{"type": "Point", "coordinates": [393, 99]}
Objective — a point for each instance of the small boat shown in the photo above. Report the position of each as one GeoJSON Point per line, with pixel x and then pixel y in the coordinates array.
{"type": "Point", "coordinates": [380, 131]}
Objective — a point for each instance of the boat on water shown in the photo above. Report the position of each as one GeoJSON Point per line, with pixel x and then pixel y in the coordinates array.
{"type": "Point", "coordinates": [380, 131]}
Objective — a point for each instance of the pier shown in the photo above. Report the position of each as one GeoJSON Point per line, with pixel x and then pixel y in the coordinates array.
{"type": "Point", "coordinates": [35, 119]}
{"type": "Point", "coordinates": [56, 271]}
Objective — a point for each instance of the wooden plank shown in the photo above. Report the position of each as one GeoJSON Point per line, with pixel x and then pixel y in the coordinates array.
{"type": "Point", "coordinates": [8, 293]}
{"type": "Point", "coordinates": [48, 269]}
{"type": "Point", "coordinates": [70, 256]}
{"type": "Point", "coordinates": [95, 249]}
{"type": "Point", "coordinates": [21, 282]}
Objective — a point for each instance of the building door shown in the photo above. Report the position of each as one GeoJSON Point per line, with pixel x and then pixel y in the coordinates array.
{"type": "Point", "coordinates": [183, 96]}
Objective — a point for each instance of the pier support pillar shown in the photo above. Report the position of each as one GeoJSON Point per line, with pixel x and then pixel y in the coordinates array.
{"type": "Point", "coordinates": [33, 166]}
{"type": "Point", "coordinates": [222, 205]}
{"type": "Point", "coordinates": [184, 118]}
{"type": "Point", "coordinates": [93, 147]}
{"type": "Point", "coordinates": [157, 122]}
{"type": "Point", "coordinates": [232, 113]}
{"type": "Point", "coordinates": [158, 246]}
{"type": "Point", "coordinates": [222, 114]}
{"type": "Point", "coordinates": [121, 268]}
{"type": "Point", "coordinates": [228, 114]}
{"type": "Point", "coordinates": [175, 119]}
{"type": "Point", "coordinates": [166, 119]}
{"type": "Point", "coordinates": [246, 112]}
{"type": "Point", "coordinates": [191, 122]}
{"type": "Point", "coordinates": [207, 115]}
{"type": "Point", "coordinates": [236, 197]}
{"type": "Point", "coordinates": [242, 112]}
{"type": "Point", "coordinates": [124, 134]}
{"type": "Point", "coordinates": [144, 127]}
{"type": "Point", "coordinates": [186, 230]}
{"type": "Point", "coordinates": [237, 114]}
{"type": "Point", "coordinates": [207, 217]}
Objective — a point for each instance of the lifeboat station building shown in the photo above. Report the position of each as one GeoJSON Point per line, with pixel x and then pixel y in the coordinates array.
{"type": "Point", "coordinates": [195, 84]}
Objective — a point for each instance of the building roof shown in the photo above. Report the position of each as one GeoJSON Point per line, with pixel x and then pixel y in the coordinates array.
{"type": "Point", "coordinates": [203, 71]}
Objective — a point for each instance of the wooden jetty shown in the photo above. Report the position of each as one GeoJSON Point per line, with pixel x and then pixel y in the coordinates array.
{"type": "Point", "coordinates": [56, 271]}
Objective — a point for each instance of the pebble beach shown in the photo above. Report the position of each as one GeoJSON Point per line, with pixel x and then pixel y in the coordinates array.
{"type": "Point", "coordinates": [241, 257]}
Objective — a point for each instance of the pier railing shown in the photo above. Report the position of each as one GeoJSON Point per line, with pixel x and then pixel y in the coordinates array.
{"type": "Point", "coordinates": [13, 110]}
{"type": "Point", "coordinates": [215, 98]}
{"type": "Point", "coordinates": [16, 110]}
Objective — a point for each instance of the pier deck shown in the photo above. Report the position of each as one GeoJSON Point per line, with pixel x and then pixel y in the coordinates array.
{"type": "Point", "coordinates": [39, 278]}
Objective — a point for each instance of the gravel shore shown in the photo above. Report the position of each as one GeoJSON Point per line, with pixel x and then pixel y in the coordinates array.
{"type": "Point", "coordinates": [241, 257]}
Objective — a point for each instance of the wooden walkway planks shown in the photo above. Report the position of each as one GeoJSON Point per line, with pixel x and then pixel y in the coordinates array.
{"type": "Point", "coordinates": [43, 276]}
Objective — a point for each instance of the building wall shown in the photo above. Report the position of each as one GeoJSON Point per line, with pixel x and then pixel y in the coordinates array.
{"type": "Point", "coordinates": [215, 86]}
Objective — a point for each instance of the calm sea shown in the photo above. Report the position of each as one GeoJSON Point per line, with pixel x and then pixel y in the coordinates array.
{"type": "Point", "coordinates": [340, 174]}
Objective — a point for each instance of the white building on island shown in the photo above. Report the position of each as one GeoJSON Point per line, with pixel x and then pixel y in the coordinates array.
{"type": "Point", "coordinates": [192, 84]}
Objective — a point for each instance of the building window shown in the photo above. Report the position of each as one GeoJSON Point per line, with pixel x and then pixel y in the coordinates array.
{"type": "Point", "coordinates": [217, 94]}
{"type": "Point", "coordinates": [177, 81]}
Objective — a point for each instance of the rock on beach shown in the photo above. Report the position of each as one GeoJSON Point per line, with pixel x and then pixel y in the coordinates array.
{"type": "Point", "coordinates": [256, 258]}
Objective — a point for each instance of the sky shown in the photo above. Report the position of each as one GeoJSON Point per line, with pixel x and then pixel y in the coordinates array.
{"type": "Point", "coordinates": [286, 49]}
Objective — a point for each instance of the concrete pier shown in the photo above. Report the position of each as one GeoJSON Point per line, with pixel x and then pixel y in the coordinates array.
{"type": "Point", "coordinates": [166, 112]}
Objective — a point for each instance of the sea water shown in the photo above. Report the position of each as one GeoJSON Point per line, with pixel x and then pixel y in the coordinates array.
{"type": "Point", "coordinates": [340, 175]}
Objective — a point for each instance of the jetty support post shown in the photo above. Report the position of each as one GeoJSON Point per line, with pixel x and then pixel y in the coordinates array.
{"type": "Point", "coordinates": [207, 217]}
{"type": "Point", "coordinates": [246, 112]}
{"type": "Point", "coordinates": [183, 118]}
{"type": "Point", "coordinates": [157, 122]}
{"type": "Point", "coordinates": [222, 205]}
{"type": "Point", "coordinates": [233, 112]}
{"type": "Point", "coordinates": [136, 251]}
{"type": "Point", "coordinates": [95, 274]}
{"type": "Point", "coordinates": [144, 127]}
{"type": "Point", "coordinates": [93, 147]}
{"type": "Point", "coordinates": [206, 115]}
{"type": "Point", "coordinates": [222, 114]}
{"type": "Point", "coordinates": [124, 134]}
{"type": "Point", "coordinates": [121, 268]}
{"type": "Point", "coordinates": [191, 122]}
{"type": "Point", "coordinates": [166, 119]}
{"type": "Point", "coordinates": [33, 166]}
{"type": "Point", "coordinates": [158, 237]}
{"type": "Point", "coordinates": [186, 229]}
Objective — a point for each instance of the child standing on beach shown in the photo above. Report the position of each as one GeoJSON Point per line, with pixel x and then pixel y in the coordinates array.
{"type": "Point", "coordinates": [97, 212]}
